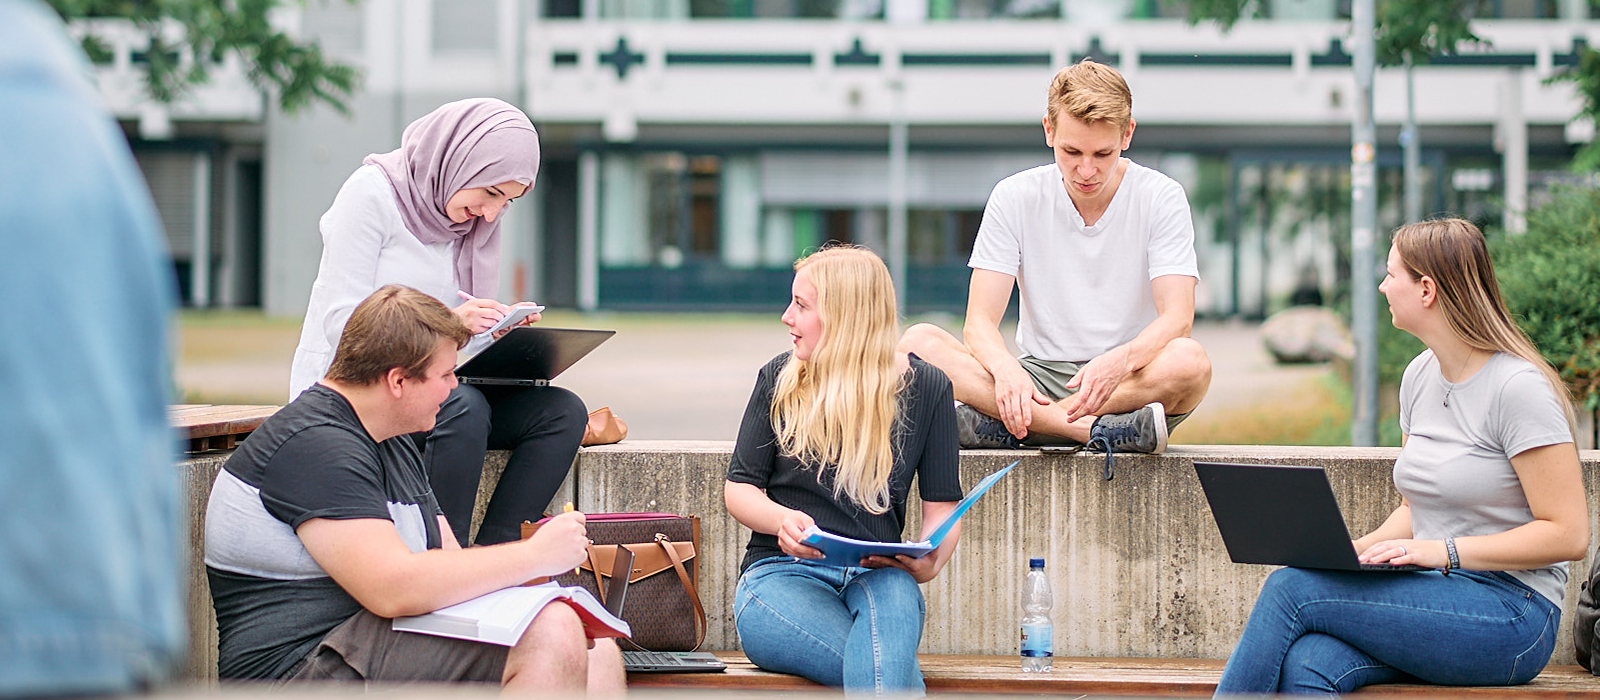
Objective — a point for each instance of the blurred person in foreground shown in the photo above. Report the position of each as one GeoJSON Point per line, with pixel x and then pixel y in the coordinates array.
{"type": "Point", "coordinates": [1101, 251]}
{"type": "Point", "coordinates": [91, 595]}
{"type": "Point", "coordinates": [321, 528]}
{"type": "Point", "coordinates": [1491, 499]}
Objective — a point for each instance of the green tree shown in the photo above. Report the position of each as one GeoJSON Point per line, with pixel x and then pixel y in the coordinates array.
{"type": "Point", "coordinates": [1419, 28]}
{"type": "Point", "coordinates": [1550, 277]}
{"type": "Point", "coordinates": [1586, 74]}
{"type": "Point", "coordinates": [298, 72]}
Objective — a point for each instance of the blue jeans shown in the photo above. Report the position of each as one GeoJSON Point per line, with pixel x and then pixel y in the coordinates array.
{"type": "Point", "coordinates": [1323, 632]}
{"type": "Point", "coordinates": [852, 627]}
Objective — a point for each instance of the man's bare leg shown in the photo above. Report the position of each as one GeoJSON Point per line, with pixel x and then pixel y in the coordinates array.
{"type": "Point", "coordinates": [551, 657]}
{"type": "Point", "coordinates": [606, 675]}
{"type": "Point", "coordinates": [1178, 378]}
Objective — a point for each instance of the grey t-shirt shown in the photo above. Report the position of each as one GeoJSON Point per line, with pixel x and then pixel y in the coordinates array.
{"type": "Point", "coordinates": [1455, 469]}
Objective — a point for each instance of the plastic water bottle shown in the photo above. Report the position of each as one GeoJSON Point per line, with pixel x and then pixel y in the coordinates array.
{"type": "Point", "coordinates": [1038, 633]}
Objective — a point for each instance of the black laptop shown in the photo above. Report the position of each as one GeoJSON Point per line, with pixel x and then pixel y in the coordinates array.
{"type": "Point", "coordinates": [530, 355]}
{"type": "Point", "coordinates": [1281, 515]}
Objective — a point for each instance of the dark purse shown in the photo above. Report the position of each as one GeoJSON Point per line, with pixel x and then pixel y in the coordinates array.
{"type": "Point", "coordinates": [662, 603]}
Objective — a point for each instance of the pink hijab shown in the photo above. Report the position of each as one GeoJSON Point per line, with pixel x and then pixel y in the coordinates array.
{"type": "Point", "coordinates": [459, 146]}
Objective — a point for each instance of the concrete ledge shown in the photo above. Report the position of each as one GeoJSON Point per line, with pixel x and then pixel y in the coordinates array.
{"type": "Point", "coordinates": [1136, 564]}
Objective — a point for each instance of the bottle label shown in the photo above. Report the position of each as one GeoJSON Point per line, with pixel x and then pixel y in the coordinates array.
{"type": "Point", "coordinates": [1038, 640]}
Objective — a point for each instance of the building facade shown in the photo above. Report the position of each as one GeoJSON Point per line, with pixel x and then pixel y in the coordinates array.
{"type": "Point", "coordinates": [693, 148]}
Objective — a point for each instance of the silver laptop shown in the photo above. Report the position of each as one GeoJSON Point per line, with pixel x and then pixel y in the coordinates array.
{"type": "Point", "coordinates": [530, 355]}
{"type": "Point", "coordinates": [1281, 515]}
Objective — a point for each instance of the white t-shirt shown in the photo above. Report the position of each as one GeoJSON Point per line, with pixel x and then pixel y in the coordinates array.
{"type": "Point", "coordinates": [1084, 289]}
{"type": "Point", "coordinates": [365, 245]}
{"type": "Point", "coordinates": [1455, 470]}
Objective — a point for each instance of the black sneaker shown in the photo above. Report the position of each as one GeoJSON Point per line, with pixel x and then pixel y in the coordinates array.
{"type": "Point", "coordinates": [1144, 430]}
{"type": "Point", "coordinates": [975, 430]}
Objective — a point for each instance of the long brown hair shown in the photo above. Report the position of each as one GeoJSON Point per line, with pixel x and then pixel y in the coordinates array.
{"type": "Point", "coordinates": [839, 408]}
{"type": "Point", "coordinates": [1453, 252]}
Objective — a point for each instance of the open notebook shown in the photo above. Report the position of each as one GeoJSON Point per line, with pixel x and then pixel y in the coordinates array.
{"type": "Point", "coordinates": [838, 550]}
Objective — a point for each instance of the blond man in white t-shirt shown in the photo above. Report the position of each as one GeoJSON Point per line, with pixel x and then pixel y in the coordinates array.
{"type": "Point", "coordinates": [1102, 252]}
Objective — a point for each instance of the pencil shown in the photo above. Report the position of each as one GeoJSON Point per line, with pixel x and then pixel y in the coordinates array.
{"type": "Point", "coordinates": [568, 509]}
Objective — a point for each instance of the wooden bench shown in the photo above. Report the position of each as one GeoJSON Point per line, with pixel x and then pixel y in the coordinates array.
{"type": "Point", "coordinates": [207, 427]}
{"type": "Point", "coordinates": [1091, 676]}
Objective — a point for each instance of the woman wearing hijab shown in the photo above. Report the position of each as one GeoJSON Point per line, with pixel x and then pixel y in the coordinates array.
{"type": "Point", "coordinates": [427, 216]}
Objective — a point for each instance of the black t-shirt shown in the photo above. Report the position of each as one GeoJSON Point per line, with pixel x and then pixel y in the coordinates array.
{"type": "Point", "coordinates": [924, 446]}
{"type": "Point", "coordinates": [313, 459]}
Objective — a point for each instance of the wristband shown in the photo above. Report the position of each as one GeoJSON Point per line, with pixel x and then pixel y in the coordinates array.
{"type": "Point", "coordinates": [1450, 550]}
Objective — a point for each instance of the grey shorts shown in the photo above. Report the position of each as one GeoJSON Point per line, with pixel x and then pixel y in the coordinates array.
{"type": "Point", "coordinates": [1050, 377]}
{"type": "Point", "coordinates": [366, 648]}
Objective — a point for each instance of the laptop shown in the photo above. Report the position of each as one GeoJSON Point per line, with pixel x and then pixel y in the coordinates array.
{"type": "Point", "coordinates": [1281, 515]}
{"type": "Point", "coordinates": [530, 356]}
{"type": "Point", "coordinates": [651, 661]}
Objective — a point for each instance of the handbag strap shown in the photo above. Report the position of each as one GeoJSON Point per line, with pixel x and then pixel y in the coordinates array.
{"type": "Point", "coordinates": [688, 585]}
{"type": "Point", "coordinates": [594, 566]}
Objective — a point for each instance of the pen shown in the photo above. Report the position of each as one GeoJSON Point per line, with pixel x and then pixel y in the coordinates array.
{"type": "Point", "coordinates": [465, 296]}
{"type": "Point", "coordinates": [568, 509]}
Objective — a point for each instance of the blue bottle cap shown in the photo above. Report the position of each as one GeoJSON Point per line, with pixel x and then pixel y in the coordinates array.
{"type": "Point", "coordinates": [1036, 563]}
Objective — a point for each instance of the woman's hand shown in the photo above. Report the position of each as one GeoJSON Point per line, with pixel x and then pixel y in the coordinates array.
{"type": "Point", "coordinates": [923, 569]}
{"type": "Point", "coordinates": [480, 315]}
{"type": "Point", "coordinates": [790, 532]}
{"type": "Point", "coordinates": [1429, 553]}
{"type": "Point", "coordinates": [528, 320]}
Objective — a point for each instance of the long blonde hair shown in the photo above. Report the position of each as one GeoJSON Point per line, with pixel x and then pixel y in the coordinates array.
{"type": "Point", "coordinates": [839, 408]}
{"type": "Point", "coordinates": [1454, 253]}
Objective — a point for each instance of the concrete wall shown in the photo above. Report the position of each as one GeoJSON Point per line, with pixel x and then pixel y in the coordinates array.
{"type": "Point", "coordinates": [1135, 563]}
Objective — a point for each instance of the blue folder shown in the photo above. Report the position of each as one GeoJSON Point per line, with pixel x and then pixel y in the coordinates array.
{"type": "Point", "coordinates": [844, 551]}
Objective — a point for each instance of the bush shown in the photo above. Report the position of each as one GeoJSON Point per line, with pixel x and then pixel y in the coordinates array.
{"type": "Point", "coordinates": [1550, 276]}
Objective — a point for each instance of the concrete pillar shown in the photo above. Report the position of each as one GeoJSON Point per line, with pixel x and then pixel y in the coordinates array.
{"type": "Point", "coordinates": [1512, 140]}
{"type": "Point", "coordinates": [588, 231]}
{"type": "Point", "coordinates": [200, 262]}
{"type": "Point", "coordinates": [899, 145]}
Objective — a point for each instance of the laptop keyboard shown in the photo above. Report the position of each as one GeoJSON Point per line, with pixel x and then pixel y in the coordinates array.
{"type": "Point", "coordinates": [650, 658]}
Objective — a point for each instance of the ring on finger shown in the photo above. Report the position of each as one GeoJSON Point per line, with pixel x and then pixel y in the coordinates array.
{"type": "Point", "coordinates": [1403, 551]}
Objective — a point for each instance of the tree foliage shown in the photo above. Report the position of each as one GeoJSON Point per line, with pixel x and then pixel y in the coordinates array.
{"type": "Point", "coordinates": [1421, 28]}
{"type": "Point", "coordinates": [1550, 276]}
{"type": "Point", "coordinates": [211, 29]}
{"type": "Point", "coordinates": [1586, 76]}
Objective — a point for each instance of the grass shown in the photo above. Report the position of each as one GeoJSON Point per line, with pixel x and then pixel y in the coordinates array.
{"type": "Point", "coordinates": [1317, 413]}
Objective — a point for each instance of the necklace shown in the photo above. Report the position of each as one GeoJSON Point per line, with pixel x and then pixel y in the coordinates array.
{"type": "Point", "coordinates": [1448, 385]}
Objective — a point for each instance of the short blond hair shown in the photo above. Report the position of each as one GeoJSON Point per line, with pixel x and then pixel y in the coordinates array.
{"type": "Point", "coordinates": [1091, 93]}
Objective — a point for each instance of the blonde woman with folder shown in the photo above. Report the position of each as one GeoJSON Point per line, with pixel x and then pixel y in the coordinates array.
{"type": "Point", "coordinates": [427, 215]}
{"type": "Point", "coordinates": [833, 435]}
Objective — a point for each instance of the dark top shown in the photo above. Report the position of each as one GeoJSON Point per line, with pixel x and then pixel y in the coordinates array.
{"type": "Point", "coordinates": [924, 444]}
{"type": "Point", "coordinates": [313, 459]}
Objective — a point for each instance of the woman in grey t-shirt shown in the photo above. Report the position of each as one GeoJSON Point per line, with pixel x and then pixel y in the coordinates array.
{"type": "Point", "coordinates": [1492, 499]}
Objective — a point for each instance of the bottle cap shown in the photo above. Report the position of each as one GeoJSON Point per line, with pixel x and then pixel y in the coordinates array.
{"type": "Point", "coordinates": [1036, 563]}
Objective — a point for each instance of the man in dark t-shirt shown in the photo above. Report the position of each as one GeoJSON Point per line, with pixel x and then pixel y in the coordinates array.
{"type": "Point", "coordinates": [322, 527]}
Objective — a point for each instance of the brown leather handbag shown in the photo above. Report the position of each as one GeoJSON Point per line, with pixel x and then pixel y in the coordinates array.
{"type": "Point", "coordinates": [662, 603]}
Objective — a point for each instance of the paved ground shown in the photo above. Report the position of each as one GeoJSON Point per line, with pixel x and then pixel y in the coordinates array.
{"type": "Point", "coordinates": [674, 376]}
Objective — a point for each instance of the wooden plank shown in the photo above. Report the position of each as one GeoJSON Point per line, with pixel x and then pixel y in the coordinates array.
{"type": "Point", "coordinates": [1096, 676]}
{"type": "Point", "coordinates": [211, 427]}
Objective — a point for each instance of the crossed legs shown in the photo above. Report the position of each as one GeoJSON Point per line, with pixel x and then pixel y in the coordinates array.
{"type": "Point", "coordinates": [1178, 378]}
